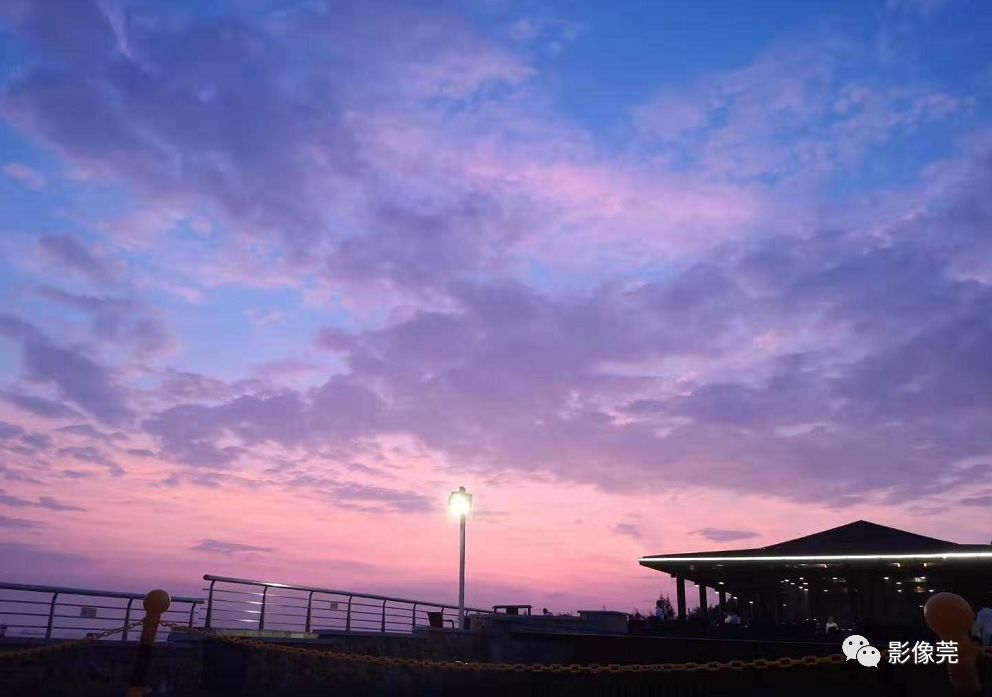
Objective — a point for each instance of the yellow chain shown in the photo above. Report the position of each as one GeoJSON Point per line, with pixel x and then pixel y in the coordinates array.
{"type": "Point", "coordinates": [52, 648]}
{"type": "Point", "coordinates": [555, 668]}
{"type": "Point", "coordinates": [474, 666]}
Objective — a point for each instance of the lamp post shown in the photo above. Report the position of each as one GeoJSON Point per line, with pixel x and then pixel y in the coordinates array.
{"type": "Point", "coordinates": [459, 505]}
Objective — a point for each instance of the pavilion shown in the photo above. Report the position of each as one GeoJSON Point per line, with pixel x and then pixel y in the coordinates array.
{"type": "Point", "coordinates": [861, 571]}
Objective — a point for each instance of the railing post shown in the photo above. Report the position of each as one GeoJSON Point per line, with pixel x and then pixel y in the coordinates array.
{"type": "Point", "coordinates": [210, 606]}
{"type": "Point", "coordinates": [156, 602]}
{"type": "Point", "coordinates": [347, 623]}
{"type": "Point", "coordinates": [261, 616]}
{"type": "Point", "coordinates": [192, 613]}
{"type": "Point", "coordinates": [51, 616]}
{"type": "Point", "coordinates": [413, 618]}
{"type": "Point", "coordinates": [309, 610]}
{"type": "Point", "coordinates": [127, 619]}
{"type": "Point", "coordinates": [383, 626]}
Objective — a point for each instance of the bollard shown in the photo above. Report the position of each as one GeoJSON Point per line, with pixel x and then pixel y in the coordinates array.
{"type": "Point", "coordinates": [950, 617]}
{"type": "Point", "coordinates": [156, 602]}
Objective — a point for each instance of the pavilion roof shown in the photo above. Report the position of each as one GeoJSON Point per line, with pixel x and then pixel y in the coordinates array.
{"type": "Point", "coordinates": [860, 538]}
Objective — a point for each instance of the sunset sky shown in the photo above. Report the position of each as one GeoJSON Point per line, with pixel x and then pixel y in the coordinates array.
{"type": "Point", "coordinates": [644, 277]}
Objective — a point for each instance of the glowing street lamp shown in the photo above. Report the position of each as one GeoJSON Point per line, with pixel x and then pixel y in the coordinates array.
{"type": "Point", "coordinates": [460, 505]}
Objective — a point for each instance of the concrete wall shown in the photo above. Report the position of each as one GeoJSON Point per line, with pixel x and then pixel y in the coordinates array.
{"type": "Point", "coordinates": [98, 669]}
{"type": "Point", "coordinates": [194, 668]}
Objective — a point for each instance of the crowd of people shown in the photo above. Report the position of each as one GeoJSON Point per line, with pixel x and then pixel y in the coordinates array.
{"type": "Point", "coordinates": [663, 620]}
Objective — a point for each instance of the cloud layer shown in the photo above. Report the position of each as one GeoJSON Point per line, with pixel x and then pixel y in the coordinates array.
{"type": "Point", "coordinates": [316, 267]}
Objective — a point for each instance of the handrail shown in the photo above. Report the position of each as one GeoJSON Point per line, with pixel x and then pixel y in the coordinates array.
{"type": "Point", "coordinates": [60, 597]}
{"type": "Point", "coordinates": [65, 590]}
{"type": "Point", "coordinates": [333, 591]}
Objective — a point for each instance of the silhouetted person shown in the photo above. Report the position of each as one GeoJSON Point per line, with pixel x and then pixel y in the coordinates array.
{"type": "Point", "coordinates": [983, 626]}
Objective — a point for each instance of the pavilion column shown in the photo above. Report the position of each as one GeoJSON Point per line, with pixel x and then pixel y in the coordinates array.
{"type": "Point", "coordinates": [680, 596]}
{"type": "Point", "coordinates": [703, 612]}
{"type": "Point", "coordinates": [885, 600]}
{"type": "Point", "coordinates": [852, 596]}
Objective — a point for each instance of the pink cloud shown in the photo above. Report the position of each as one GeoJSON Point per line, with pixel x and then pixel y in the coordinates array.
{"type": "Point", "coordinates": [28, 176]}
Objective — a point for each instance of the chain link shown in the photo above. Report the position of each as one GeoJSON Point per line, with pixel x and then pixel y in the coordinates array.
{"type": "Point", "coordinates": [460, 666]}
{"type": "Point", "coordinates": [52, 648]}
{"type": "Point", "coordinates": [476, 666]}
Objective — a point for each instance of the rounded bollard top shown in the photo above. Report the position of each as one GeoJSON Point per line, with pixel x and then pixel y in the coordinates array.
{"type": "Point", "coordinates": [157, 601]}
{"type": "Point", "coordinates": [948, 615]}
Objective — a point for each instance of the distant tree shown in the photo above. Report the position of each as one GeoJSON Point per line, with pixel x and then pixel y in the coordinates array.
{"type": "Point", "coordinates": [710, 614]}
{"type": "Point", "coordinates": [665, 603]}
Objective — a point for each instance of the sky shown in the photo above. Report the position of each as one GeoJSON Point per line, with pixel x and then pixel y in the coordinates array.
{"type": "Point", "coordinates": [645, 277]}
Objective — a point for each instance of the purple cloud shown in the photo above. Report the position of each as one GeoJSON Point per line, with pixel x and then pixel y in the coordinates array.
{"type": "Point", "coordinates": [719, 535]}
{"type": "Point", "coordinates": [72, 254]}
{"type": "Point", "coordinates": [116, 321]}
{"type": "Point", "coordinates": [380, 500]}
{"type": "Point", "coordinates": [507, 378]}
{"type": "Point", "coordinates": [91, 455]}
{"type": "Point", "coordinates": [19, 523]}
{"type": "Point", "coordinates": [39, 406]}
{"type": "Point", "coordinates": [211, 546]}
{"type": "Point", "coordinates": [46, 502]}
{"type": "Point", "coordinates": [518, 293]}
{"type": "Point", "coordinates": [11, 435]}
{"type": "Point", "coordinates": [77, 377]}
{"type": "Point", "coordinates": [627, 530]}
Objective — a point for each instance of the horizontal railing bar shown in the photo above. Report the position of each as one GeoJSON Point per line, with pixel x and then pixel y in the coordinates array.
{"type": "Point", "coordinates": [283, 595]}
{"type": "Point", "coordinates": [334, 591]}
{"type": "Point", "coordinates": [61, 590]}
{"type": "Point", "coordinates": [281, 614]}
{"type": "Point", "coordinates": [108, 618]}
{"type": "Point", "coordinates": [302, 606]}
{"type": "Point", "coordinates": [42, 628]}
{"type": "Point", "coordinates": [80, 617]}
{"type": "Point", "coordinates": [237, 619]}
{"type": "Point", "coordinates": [122, 608]}
{"type": "Point", "coordinates": [25, 626]}
{"type": "Point", "coordinates": [239, 602]}
{"type": "Point", "coordinates": [235, 592]}
{"type": "Point", "coordinates": [221, 591]}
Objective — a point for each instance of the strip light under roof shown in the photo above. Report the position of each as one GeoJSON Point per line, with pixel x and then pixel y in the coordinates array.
{"type": "Point", "coordinates": [824, 557]}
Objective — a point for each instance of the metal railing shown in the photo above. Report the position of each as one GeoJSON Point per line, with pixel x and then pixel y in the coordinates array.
{"type": "Point", "coordinates": [53, 612]}
{"type": "Point", "coordinates": [238, 603]}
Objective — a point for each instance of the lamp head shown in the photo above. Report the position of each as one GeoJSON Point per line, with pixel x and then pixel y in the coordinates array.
{"type": "Point", "coordinates": [460, 503]}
